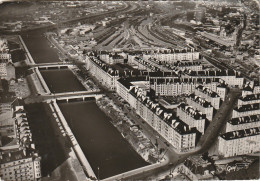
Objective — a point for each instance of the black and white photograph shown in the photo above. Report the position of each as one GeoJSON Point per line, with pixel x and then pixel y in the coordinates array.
{"type": "Point", "coordinates": [145, 90]}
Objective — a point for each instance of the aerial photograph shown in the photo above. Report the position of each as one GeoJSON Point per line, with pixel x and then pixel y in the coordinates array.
{"type": "Point", "coordinates": [129, 90]}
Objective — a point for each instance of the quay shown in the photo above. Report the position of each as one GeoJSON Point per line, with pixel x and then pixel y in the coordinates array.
{"type": "Point", "coordinates": [42, 81]}
{"type": "Point", "coordinates": [76, 147]}
{"type": "Point", "coordinates": [27, 51]}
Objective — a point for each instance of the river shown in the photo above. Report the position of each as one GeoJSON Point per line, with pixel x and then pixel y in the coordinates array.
{"type": "Point", "coordinates": [61, 80]}
{"type": "Point", "coordinates": [100, 141]}
{"type": "Point", "coordinates": [40, 48]}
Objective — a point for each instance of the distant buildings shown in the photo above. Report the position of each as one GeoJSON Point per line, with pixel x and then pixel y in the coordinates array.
{"type": "Point", "coordinates": [7, 70]}
{"type": "Point", "coordinates": [172, 55]}
{"type": "Point", "coordinates": [222, 39]}
{"type": "Point", "coordinates": [231, 77]}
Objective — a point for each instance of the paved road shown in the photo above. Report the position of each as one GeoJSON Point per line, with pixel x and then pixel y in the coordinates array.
{"type": "Point", "coordinates": [175, 158]}
{"type": "Point", "coordinates": [204, 144]}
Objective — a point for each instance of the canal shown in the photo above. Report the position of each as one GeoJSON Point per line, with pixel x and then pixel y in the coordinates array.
{"type": "Point", "coordinates": [100, 141]}
{"type": "Point", "coordinates": [40, 48]}
{"type": "Point", "coordinates": [61, 80]}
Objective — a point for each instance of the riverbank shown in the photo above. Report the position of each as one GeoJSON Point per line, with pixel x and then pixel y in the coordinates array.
{"type": "Point", "coordinates": [76, 149]}
{"type": "Point", "coordinates": [129, 131]}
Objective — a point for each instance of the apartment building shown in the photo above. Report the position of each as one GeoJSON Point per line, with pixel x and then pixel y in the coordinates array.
{"type": "Point", "coordinates": [245, 122]}
{"type": "Point", "coordinates": [18, 159]}
{"type": "Point", "coordinates": [188, 65]}
{"type": "Point", "coordinates": [246, 110]}
{"type": "Point", "coordinates": [239, 142]}
{"type": "Point", "coordinates": [222, 90]}
{"type": "Point", "coordinates": [231, 77]}
{"type": "Point", "coordinates": [110, 57]}
{"type": "Point", "coordinates": [5, 56]}
{"type": "Point", "coordinates": [103, 72]}
{"type": "Point", "coordinates": [192, 117]}
{"type": "Point", "coordinates": [145, 65]}
{"type": "Point", "coordinates": [249, 99]}
{"type": "Point", "coordinates": [172, 55]}
{"type": "Point", "coordinates": [3, 68]}
{"type": "Point", "coordinates": [124, 85]}
{"type": "Point", "coordinates": [21, 165]}
{"type": "Point", "coordinates": [171, 86]}
{"type": "Point", "coordinates": [252, 87]}
{"type": "Point", "coordinates": [209, 95]}
{"type": "Point", "coordinates": [222, 40]}
{"type": "Point", "coordinates": [177, 132]}
{"type": "Point", "coordinates": [4, 51]}
{"type": "Point", "coordinates": [201, 104]}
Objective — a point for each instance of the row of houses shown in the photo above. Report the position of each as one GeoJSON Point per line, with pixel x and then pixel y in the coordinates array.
{"type": "Point", "coordinates": [173, 129]}
{"type": "Point", "coordinates": [103, 72]}
{"type": "Point", "coordinates": [171, 55]}
{"type": "Point", "coordinates": [242, 130]}
{"type": "Point", "coordinates": [231, 77]}
{"type": "Point", "coordinates": [19, 160]}
{"type": "Point", "coordinates": [177, 86]}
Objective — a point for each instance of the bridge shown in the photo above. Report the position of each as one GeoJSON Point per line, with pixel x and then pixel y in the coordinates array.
{"type": "Point", "coordinates": [77, 97]}
{"type": "Point", "coordinates": [64, 96]}
{"type": "Point", "coordinates": [53, 65]}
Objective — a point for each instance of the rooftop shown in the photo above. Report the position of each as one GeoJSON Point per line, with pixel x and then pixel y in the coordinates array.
{"type": "Point", "coordinates": [192, 112]}
{"type": "Point", "coordinates": [161, 112]}
{"type": "Point", "coordinates": [199, 100]}
{"type": "Point", "coordinates": [241, 133]}
{"type": "Point", "coordinates": [250, 97]}
{"type": "Point", "coordinates": [244, 120]}
{"type": "Point", "coordinates": [247, 107]}
{"type": "Point", "coordinates": [207, 91]}
{"type": "Point", "coordinates": [214, 73]}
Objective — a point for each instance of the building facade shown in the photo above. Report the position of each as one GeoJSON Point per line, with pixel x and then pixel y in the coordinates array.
{"type": "Point", "coordinates": [246, 110]}
{"type": "Point", "coordinates": [201, 104]}
{"type": "Point", "coordinates": [103, 72]}
{"type": "Point", "coordinates": [174, 130]}
{"type": "Point", "coordinates": [192, 117]}
{"type": "Point", "coordinates": [239, 142]}
{"type": "Point", "coordinates": [209, 95]}
{"type": "Point", "coordinates": [245, 122]}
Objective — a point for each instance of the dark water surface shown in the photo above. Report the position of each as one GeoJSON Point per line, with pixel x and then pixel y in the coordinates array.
{"type": "Point", "coordinates": [61, 80]}
{"type": "Point", "coordinates": [39, 47]}
{"type": "Point", "coordinates": [100, 141]}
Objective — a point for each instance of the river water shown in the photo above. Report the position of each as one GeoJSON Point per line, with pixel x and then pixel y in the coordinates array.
{"type": "Point", "coordinates": [39, 47]}
{"type": "Point", "coordinates": [100, 141]}
{"type": "Point", "coordinates": [62, 80]}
